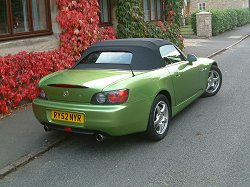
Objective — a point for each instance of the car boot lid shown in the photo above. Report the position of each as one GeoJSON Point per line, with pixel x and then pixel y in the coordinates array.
{"type": "Point", "coordinates": [84, 78]}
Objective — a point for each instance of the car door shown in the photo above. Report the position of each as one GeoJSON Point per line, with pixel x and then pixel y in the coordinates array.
{"type": "Point", "coordinates": [185, 76]}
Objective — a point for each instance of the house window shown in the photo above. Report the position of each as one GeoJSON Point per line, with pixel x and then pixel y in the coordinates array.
{"type": "Point", "coordinates": [105, 12]}
{"type": "Point", "coordinates": [152, 10]}
{"type": "Point", "coordinates": [38, 10]}
{"type": "Point", "coordinates": [21, 18]}
{"type": "Point", "coordinates": [3, 18]}
{"type": "Point", "coordinates": [202, 6]}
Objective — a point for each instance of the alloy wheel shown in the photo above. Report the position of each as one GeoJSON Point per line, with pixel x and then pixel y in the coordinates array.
{"type": "Point", "coordinates": [213, 82]}
{"type": "Point", "coordinates": [161, 117]}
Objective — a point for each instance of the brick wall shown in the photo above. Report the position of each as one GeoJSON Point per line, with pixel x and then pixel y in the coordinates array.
{"type": "Point", "coordinates": [219, 4]}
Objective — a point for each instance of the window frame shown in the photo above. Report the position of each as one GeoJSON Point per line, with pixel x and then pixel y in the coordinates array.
{"type": "Point", "coordinates": [12, 35]}
{"type": "Point", "coordinates": [202, 6]}
{"type": "Point", "coordinates": [109, 23]}
{"type": "Point", "coordinates": [8, 19]}
{"type": "Point", "coordinates": [156, 10]}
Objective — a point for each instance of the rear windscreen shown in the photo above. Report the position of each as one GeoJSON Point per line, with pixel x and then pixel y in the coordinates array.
{"type": "Point", "coordinates": [115, 58]}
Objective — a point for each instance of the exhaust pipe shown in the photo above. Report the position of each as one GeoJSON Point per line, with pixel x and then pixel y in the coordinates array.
{"type": "Point", "coordinates": [46, 128]}
{"type": "Point", "coordinates": [100, 137]}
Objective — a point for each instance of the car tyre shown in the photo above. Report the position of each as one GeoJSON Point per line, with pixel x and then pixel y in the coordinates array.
{"type": "Point", "coordinates": [214, 82]}
{"type": "Point", "coordinates": [159, 119]}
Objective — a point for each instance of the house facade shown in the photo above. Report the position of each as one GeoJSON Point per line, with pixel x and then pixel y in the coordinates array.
{"type": "Point", "coordinates": [20, 18]}
{"type": "Point", "coordinates": [203, 5]}
{"type": "Point", "coordinates": [31, 18]}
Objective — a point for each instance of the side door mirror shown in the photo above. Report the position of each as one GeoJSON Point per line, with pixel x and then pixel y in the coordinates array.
{"type": "Point", "coordinates": [191, 58]}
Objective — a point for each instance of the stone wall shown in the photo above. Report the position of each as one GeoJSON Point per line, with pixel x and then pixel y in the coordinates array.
{"type": "Point", "coordinates": [219, 4]}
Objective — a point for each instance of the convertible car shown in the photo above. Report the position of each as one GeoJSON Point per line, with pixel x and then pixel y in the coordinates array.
{"type": "Point", "coordinates": [125, 86]}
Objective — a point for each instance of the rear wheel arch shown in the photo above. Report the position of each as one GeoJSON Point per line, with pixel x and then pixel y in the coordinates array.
{"type": "Point", "coordinates": [214, 64]}
{"type": "Point", "coordinates": [167, 94]}
{"type": "Point", "coordinates": [159, 118]}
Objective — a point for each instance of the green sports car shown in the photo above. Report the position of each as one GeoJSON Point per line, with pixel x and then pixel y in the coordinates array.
{"type": "Point", "coordinates": [125, 86]}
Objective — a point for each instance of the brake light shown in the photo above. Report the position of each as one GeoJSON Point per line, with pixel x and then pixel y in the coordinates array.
{"type": "Point", "coordinates": [120, 96]}
{"type": "Point", "coordinates": [111, 97]}
{"type": "Point", "coordinates": [67, 86]}
{"type": "Point", "coordinates": [68, 129]}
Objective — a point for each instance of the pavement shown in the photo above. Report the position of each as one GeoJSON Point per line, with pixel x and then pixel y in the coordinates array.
{"type": "Point", "coordinates": [217, 44]}
{"type": "Point", "coordinates": [22, 138]}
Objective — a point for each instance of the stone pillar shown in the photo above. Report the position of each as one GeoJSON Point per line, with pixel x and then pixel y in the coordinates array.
{"type": "Point", "coordinates": [204, 24]}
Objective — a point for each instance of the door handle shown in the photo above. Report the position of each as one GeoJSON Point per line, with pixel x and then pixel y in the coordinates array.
{"type": "Point", "coordinates": [203, 69]}
{"type": "Point", "coordinates": [177, 75]}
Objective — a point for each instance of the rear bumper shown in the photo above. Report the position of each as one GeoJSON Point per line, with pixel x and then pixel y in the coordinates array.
{"type": "Point", "coordinates": [114, 120]}
{"type": "Point", "coordinates": [50, 126]}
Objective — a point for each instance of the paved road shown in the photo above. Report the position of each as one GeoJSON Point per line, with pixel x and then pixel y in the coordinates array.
{"type": "Point", "coordinates": [207, 145]}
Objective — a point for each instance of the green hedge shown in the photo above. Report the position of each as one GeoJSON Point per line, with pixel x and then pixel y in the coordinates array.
{"type": "Point", "coordinates": [193, 22]}
{"type": "Point", "coordinates": [243, 16]}
{"type": "Point", "coordinates": [223, 20]}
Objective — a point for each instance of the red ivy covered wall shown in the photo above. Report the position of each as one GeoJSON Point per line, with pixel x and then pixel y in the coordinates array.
{"type": "Point", "coordinates": [20, 73]}
{"type": "Point", "coordinates": [79, 21]}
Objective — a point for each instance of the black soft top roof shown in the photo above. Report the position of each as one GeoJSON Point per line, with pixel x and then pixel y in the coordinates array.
{"type": "Point", "coordinates": [152, 43]}
{"type": "Point", "coordinates": [146, 54]}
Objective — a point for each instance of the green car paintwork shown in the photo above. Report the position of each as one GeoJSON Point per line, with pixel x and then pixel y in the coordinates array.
{"type": "Point", "coordinates": [124, 86]}
{"type": "Point", "coordinates": [181, 83]}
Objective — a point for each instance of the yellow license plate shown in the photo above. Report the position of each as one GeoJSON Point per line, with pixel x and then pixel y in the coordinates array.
{"type": "Point", "coordinates": [67, 116]}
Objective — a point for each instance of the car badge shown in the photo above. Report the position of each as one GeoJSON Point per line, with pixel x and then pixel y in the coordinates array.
{"type": "Point", "coordinates": [65, 93]}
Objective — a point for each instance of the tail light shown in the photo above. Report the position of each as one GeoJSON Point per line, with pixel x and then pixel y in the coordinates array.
{"type": "Point", "coordinates": [111, 97]}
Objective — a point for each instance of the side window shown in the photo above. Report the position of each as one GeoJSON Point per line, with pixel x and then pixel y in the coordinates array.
{"type": "Point", "coordinates": [170, 54]}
